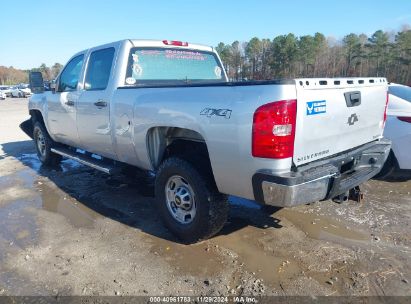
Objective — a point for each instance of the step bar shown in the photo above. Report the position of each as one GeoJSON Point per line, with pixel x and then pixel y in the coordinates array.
{"type": "Point", "coordinates": [86, 159]}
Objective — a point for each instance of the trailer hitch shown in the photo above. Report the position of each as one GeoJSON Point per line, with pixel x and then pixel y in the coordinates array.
{"type": "Point", "coordinates": [356, 194]}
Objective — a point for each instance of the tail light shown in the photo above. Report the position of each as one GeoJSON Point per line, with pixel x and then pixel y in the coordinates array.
{"type": "Point", "coordinates": [385, 110]}
{"type": "Point", "coordinates": [174, 42]}
{"type": "Point", "coordinates": [404, 119]}
{"type": "Point", "coordinates": [274, 129]}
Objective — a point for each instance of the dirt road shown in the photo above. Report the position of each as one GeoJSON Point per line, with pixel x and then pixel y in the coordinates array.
{"type": "Point", "coordinates": [75, 231]}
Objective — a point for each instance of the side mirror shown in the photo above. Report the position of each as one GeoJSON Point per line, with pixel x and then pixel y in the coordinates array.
{"type": "Point", "coordinates": [53, 85]}
{"type": "Point", "coordinates": [36, 82]}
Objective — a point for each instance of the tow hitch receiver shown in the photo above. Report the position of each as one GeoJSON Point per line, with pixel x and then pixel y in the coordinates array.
{"type": "Point", "coordinates": [356, 194]}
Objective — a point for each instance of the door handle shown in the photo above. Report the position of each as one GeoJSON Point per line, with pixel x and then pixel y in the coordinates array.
{"type": "Point", "coordinates": [69, 103]}
{"type": "Point", "coordinates": [101, 103]}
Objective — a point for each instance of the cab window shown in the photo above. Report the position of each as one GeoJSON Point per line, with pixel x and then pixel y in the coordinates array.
{"type": "Point", "coordinates": [71, 74]}
{"type": "Point", "coordinates": [150, 65]}
{"type": "Point", "coordinates": [98, 70]}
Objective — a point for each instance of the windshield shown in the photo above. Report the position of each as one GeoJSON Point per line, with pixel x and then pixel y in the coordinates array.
{"type": "Point", "coordinates": [165, 65]}
{"type": "Point", "coordinates": [402, 92]}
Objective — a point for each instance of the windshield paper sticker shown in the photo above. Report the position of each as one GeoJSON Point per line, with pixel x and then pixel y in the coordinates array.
{"type": "Point", "coordinates": [130, 80]}
{"type": "Point", "coordinates": [217, 72]}
{"type": "Point", "coordinates": [316, 107]}
{"type": "Point", "coordinates": [136, 67]}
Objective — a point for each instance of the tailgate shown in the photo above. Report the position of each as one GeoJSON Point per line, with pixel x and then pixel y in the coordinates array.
{"type": "Point", "coordinates": [335, 115]}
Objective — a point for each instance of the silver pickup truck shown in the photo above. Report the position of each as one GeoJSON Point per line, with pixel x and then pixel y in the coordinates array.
{"type": "Point", "coordinates": [167, 107]}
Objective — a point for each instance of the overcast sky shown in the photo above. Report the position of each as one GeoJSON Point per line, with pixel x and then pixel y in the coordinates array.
{"type": "Point", "coordinates": [35, 32]}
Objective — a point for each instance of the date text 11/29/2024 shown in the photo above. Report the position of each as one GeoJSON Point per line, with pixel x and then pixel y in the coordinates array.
{"type": "Point", "coordinates": [202, 299]}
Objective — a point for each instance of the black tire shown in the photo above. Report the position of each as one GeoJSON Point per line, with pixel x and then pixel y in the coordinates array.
{"type": "Point", "coordinates": [389, 166]}
{"type": "Point", "coordinates": [43, 144]}
{"type": "Point", "coordinates": [211, 206]}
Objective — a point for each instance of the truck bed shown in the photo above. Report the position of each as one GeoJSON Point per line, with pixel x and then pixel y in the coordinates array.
{"type": "Point", "coordinates": [173, 84]}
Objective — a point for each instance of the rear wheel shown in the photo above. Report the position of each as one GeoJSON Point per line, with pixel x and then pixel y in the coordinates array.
{"type": "Point", "coordinates": [389, 166]}
{"type": "Point", "coordinates": [43, 144]}
{"type": "Point", "coordinates": [189, 203]}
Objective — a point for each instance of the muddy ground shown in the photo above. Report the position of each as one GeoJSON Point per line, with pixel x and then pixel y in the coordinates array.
{"type": "Point", "coordinates": [75, 231]}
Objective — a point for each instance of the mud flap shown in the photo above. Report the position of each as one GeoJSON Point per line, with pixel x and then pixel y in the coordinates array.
{"type": "Point", "coordinates": [27, 127]}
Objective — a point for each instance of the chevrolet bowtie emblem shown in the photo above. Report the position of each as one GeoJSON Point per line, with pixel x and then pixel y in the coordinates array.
{"type": "Point", "coordinates": [352, 119]}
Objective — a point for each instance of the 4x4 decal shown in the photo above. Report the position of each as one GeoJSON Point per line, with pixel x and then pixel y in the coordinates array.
{"type": "Point", "coordinates": [217, 112]}
{"type": "Point", "coordinates": [352, 119]}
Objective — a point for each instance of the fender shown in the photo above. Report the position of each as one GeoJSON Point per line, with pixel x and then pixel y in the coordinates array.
{"type": "Point", "coordinates": [38, 102]}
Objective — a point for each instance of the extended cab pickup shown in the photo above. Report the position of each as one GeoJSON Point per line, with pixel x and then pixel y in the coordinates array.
{"type": "Point", "coordinates": [167, 107]}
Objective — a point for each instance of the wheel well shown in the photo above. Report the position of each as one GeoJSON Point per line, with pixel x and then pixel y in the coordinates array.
{"type": "Point", "coordinates": [36, 116]}
{"type": "Point", "coordinates": [164, 142]}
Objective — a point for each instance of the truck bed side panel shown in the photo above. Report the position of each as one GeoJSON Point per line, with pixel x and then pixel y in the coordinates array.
{"type": "Point", "coordinates": [228, 138]}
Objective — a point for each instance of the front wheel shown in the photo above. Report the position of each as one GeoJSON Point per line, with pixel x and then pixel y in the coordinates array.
{"type": "Point", "coordinates": [43, 144]}
{"type": "Point", "coordinates": [189, 203]}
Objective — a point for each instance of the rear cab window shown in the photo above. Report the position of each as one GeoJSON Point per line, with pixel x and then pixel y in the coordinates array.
{"type": "Point", "coordinates": [99, 69]}
{"type": "Point", "coordinates": [151, 65]}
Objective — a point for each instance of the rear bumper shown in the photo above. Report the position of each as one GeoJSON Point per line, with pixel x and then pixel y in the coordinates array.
{"type": "Point", "coordinates": [322, 179]}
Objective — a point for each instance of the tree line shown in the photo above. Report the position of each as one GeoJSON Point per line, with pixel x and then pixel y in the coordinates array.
{"type": "Point", "coordinates": [386, 54]}
{"type": "Point", "coordinates": [11, 76]}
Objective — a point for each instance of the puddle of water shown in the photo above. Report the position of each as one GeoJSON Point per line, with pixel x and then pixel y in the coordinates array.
{"type": "Point", "coordinates": [320, 227]}
{"type": "Point", "coordinates": [6, 181]}
{"type": "Point", "coordinates": [55, 200]}
{"type": "Point", "coordinates": [16, 186]}
{"type": "Point", "coordinates": [31, 160]}
{"type": "Point", "coordinates": [22, 234]}
{"type": "Point", "coordinates": [18, 227]}
{"type": "Point", "coordinates": [197, 259]}
{"type": "Point", "coordinates": [20, 192]}
{"type": "Point", "coordinates": [272, 269]}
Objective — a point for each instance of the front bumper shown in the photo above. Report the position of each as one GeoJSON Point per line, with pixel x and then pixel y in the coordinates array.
{"type": "Point", "coordinates": [323, 179]}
